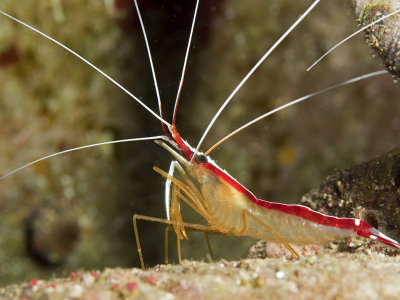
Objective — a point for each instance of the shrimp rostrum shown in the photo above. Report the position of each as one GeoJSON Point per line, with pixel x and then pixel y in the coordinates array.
{"type": "Point", "coordinates": [228, 207]}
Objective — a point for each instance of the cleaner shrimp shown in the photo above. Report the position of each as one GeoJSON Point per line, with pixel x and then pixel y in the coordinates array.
{"type": "Point", "coordinates": [244, 229]}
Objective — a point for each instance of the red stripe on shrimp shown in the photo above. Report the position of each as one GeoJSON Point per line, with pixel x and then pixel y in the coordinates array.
{"type": "Point", "coordinates": [296, 210]}
{"type": "Point", "coordinates": [359, 227]}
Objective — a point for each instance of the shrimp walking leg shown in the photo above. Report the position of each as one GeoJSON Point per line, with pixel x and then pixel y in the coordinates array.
{"type": "Point", "coordinates": [206, 233]}
{"type": "Point", "coordinates": [178, 243]}
{"type": "Point", "coordinates": [209, 246]}
{"type": "Point", "coordinates": [175, 212]}
{"type": "Point", "coordinates": [167, 229]}
{"type": "Point", "coordinates": [136, 217]}
{"type": "Point", "coordinates": [246, 213]}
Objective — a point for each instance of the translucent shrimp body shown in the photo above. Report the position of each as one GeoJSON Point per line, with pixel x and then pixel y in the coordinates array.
{"type": "Point", "coordinates": [230, 208]}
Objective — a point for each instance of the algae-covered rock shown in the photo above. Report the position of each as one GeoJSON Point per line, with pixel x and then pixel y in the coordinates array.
{"type": "Point", "coordinates": [369, 191]}
{"type": "Point", "coordinates": [382, 36]}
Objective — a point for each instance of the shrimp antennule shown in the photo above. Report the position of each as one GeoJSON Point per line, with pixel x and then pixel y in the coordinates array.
{"type": "Point", "coordinates": [293, 102]}
{"type": "Point", "coordinates": [81, 148]}
{"type": "Point", "coordinates": [251, 72]}
{"type": "Point", "coordinates": [89, 64]}
{"type": "Point", "coordinates": [184, 64]}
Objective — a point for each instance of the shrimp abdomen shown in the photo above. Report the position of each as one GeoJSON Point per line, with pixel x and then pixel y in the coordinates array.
{"type": "Point", "coordinates": [293, 229]}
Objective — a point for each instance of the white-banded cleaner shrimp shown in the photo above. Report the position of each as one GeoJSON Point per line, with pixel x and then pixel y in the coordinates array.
{"type": "Point", "coordinates": [286, 144]}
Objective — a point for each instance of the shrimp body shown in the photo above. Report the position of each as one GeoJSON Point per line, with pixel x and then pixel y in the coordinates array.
{"type": "Point", "coordinates": [230, 208]}
{"type": "Point", "coordinates": [227, 212]}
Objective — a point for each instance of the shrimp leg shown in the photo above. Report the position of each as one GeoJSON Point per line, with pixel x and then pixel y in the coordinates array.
{"type": "Point", "coordinates": [209, 246]}
{"type": "Point", "coordinates": [246, 213]}
{"type": "Point", "coordinates": [196, 227]}
{"type": "Point", "coordinates": [167, 229]}
{"type": "Point", "coordinates": [206, 233]}
{"type": "Point", "coordinates": [174, 210]}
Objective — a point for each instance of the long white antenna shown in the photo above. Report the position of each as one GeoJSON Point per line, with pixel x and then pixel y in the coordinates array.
{"type": "Point", "coordinates": [88, 63]}
{"type": "Point", "coordinates": [80, 148]}
{"type": "Point", "coordinates": [184, 64]}
{"type": "Point", "coordinates": [355, 79]}
{"type": "Point", "coordinates": [350, 36]}
{"type": "Point", "coordinates": [252, 71]}
{"type": "Point", "coordinates": [150, 57]}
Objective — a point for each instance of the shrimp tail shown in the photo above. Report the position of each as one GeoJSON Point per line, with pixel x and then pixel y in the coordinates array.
{"type": "Point", "coordinates": [367, 231]}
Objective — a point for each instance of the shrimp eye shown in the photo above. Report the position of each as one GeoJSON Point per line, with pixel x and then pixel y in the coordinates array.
{"type": "Point", "coordinates": [201, 158]}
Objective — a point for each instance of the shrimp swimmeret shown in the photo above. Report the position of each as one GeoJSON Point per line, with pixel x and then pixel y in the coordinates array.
{"type": "Point", "coordinates": [227, 206]}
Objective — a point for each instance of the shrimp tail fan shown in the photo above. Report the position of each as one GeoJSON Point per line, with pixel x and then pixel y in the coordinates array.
{"type": "Point", "coordinates": [367, 231]}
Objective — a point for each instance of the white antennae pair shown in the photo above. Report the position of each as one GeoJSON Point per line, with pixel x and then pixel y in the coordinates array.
{"type": "Point", "coordinates": [159, 117]}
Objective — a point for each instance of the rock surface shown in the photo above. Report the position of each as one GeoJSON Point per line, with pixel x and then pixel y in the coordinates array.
{"type": "Point", "coordinates": [324, 276]}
